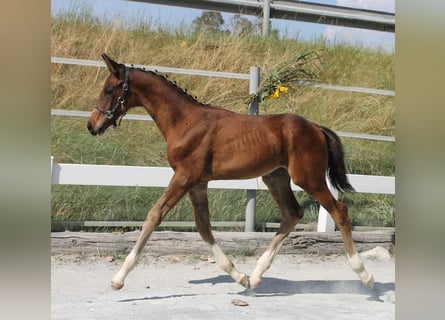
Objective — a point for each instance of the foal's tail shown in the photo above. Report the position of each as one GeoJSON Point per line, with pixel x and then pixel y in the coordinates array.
{"type": "Point", "coordinates": [336, 161]}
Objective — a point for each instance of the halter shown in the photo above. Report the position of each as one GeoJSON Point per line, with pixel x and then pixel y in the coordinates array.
{"type": "Point", "coordinates": [120, 102]}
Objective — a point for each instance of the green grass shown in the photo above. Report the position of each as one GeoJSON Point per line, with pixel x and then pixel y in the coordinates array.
{"type": "Point", "coordinates": [77, 34]}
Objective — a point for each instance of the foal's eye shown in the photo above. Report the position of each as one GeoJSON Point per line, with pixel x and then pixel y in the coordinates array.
{"type": "Point", "coordinates": [109, 91]}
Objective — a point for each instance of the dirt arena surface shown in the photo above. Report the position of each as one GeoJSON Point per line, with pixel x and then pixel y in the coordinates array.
{"type": "Point", "coordinates": [194, 287]}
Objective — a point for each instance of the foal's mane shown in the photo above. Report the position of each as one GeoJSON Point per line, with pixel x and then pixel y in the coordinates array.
{"type": "Point", "coordinates": [172, 84]}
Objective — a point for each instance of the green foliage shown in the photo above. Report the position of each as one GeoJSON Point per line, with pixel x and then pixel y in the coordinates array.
{"type": "Point", "coordinates": [208, 22]}
{"type": "Point", "coordinates": [243, 26]}
{"type": "Point", "coordinates": [79, 35]}
{"type": "Point", "coordinates": [300, 67]}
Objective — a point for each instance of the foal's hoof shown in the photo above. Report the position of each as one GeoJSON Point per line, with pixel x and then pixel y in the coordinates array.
{"type": "Point", "coordinates": [116, 285]}
{"type": "Point", "coordinates": [369, 282]}
{"type": "Point", "coordinates": [254, 282]}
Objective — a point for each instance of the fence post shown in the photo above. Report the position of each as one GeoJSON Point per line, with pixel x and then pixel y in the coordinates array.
{"type": "Point", "coordinates": [266, 18]}
{"type": "Point", "coordinates": [254, 82]}
{"type": "Point", "coordinates": [325, 221]}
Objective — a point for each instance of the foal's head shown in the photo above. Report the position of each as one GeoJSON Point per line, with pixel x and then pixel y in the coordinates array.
{"type": "Point", "coordinates": [114, 99]}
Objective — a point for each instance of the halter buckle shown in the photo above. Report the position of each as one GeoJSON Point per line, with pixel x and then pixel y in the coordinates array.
{"type": "Point", "coordinates": [109, 114]}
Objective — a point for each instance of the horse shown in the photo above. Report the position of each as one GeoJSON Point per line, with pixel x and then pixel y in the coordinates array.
{"type": "Point", "coordinates": [207, 143]}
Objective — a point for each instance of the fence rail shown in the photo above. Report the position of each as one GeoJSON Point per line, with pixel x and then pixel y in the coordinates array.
{"type": "Point", "coordinates": [219, 74]}
{"type": "Point", "coordinates": [143, 117]}
{"type": "Point", "coordinates": [139, 176]}
{"type": "Point", "coordinates": [171, 224]}
{"type": "Point", "coordinates": [295, 10]}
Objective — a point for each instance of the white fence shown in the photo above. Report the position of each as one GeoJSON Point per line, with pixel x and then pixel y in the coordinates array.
{"type": "Point", "coordinates": [138, 176]}
{"type": "Point", "coordinates": [107, 175]}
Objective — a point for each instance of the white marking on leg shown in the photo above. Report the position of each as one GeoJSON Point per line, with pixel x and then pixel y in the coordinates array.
{"type": "Point", "coordinates": [357, 266]}
{"type": "Point", "coordinates": [129, 263]}
{"type": "Point", "coordinates": [227, 265]}
{"type": "Point", "coordinates": [221, 258]}
{"type": "Point", "coordinates": [264, 263]}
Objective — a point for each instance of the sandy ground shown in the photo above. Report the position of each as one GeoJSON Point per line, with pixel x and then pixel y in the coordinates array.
{"type": "Point", "coordinates": [194, 287]}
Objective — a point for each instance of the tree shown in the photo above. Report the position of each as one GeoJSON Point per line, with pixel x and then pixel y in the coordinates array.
{"type": "Point", "coordinates": [243, 26]}
{"type": "Point", "coordinates": [209, 21]}
{"type": "Point", "coordinates": [252, 27]}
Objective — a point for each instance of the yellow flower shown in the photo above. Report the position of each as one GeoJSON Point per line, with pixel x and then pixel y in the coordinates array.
{"type": "Point", "coordinates": [183, 44]}
{"type": "Point", "coordinates": [282, 89]}
{"type": "Point", "coordinates": [276, 94]}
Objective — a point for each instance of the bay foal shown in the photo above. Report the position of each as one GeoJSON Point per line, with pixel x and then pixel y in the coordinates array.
{"type": "Point", "coordinates": [208, 143]}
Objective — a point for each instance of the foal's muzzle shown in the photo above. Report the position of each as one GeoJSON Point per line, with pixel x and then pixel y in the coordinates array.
{"type": "Point", "coordinates": [98, 131]}
{"type": "Point", "coordinates": [90, 129]}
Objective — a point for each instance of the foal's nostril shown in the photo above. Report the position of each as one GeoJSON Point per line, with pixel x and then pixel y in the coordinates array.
{"type": "Point", "coordinates": [90, 129]}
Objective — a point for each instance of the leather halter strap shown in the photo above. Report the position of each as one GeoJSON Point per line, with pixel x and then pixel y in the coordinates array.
{"type": "Point", "coordinates": [120, 102]}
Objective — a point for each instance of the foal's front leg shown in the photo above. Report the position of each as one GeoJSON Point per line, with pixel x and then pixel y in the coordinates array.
{"type": "Point", "coordinates": [169, 198]}
{"type": "Point", "coordinates": [198, 197]}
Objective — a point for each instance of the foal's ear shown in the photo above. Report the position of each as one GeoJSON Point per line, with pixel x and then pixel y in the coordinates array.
{"type": "Point", "coordinates": [118, 69]}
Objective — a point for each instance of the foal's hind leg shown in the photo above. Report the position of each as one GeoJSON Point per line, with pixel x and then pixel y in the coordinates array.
{"type": "Point", "coordinates": [278, 183]}
{"type": "Point", "coordinates": [339, 213]}
{"type": "Point", "coordinates": [198, 197]}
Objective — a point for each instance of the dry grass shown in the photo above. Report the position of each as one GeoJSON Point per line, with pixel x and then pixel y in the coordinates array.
{"type": "Point", "coordinates": [75, 87]}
